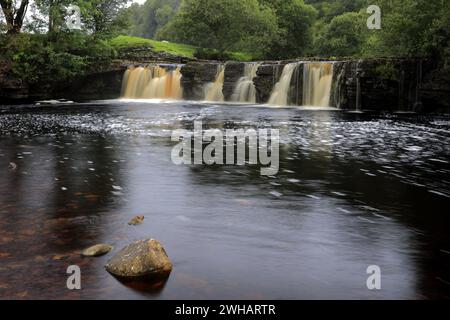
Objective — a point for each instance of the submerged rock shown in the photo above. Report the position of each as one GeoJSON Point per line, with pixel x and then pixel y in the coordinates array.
{"type": "Point", "coordinates": [97, 250]}
{"type": "Point", "coordinates": [136, 220]}
{"type": "Point", "coordinates": [141, 259]}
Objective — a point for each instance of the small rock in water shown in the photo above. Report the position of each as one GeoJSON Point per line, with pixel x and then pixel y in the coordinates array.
{"type": "Point", "coordinates": [141, 259]}
{"type": "Point", "coordinates": [97, 250]}
{"type": "Point", "coordinates": [12, 166]}
{"type": "Point", "coordinates": [136, 220]}
{"type": "Point", "coordinates": [275, 194]}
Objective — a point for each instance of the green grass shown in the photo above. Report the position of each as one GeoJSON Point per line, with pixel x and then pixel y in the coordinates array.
{"type": "Point", "coordinates": [241, 56]}
{"type": "Point", "coordinates": [123, 42]}
{"type": "Point", "coordinates": [178, 49]}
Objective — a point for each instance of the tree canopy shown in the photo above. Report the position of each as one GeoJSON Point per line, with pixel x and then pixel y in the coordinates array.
{"type": "Point", "coordinates": [267, 29]}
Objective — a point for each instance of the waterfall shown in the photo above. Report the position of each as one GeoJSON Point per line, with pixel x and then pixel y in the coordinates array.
{"type": "Point", "coordinates": [245, 90]}
{"type": "Point", "coordinates": [213, 91]}
{"type": "Point", "coordinates": [279, 96]}
{"type": "Point", "coordinates": [317, 81]}
{"type": "Point", "coordinates": [152, 82]}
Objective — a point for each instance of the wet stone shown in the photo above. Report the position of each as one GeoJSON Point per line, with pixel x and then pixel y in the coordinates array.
{"type": "Point", "coordinates": [136, 220]}
{"type": "Point", "coordinates": [140, 259]}
{"type": "Point", "coordinates": [97, 250]}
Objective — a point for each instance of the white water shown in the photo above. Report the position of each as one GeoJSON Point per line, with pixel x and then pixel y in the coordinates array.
{"type": "Point", "coordinates": [279, 96]}
{"type": "Point", "coordinates": [213, 91]}
{"type": "Point", "coordinates": [317, 81]}
{"type": "Point", "coordinates": [245, 90]}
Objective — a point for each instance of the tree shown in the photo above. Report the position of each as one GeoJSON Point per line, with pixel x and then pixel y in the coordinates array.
{"type": "Point", "coordinates": [294, 19]}
{"type": "Point", "coordinates": [153, 15]}
{"type": "Point", "coordinates": [103, 16]}
{"type": "Point", "coordinates": [412, 28]}
{"type": "Point", "coordinates": [14, 14]}
{"type": "Point", "coordinates": [343, 36]}
{"type": "Point", "coordinates": [328, 9]}
{"type": "Point", "coordinates": [224, 25]}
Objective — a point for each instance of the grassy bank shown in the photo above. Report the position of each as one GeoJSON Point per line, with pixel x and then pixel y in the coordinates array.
{"type": "Point", "coordinates": [178, 49]}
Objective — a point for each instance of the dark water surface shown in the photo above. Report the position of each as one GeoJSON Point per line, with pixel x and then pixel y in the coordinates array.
{"type": "Point", "coordinates": [353, 190]}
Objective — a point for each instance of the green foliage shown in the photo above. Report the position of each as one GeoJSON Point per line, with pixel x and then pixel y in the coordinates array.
{"type": "Point", "coordinates": [126, 43]}
{"type": "Point", "coordinates": [214, 54]}
{"type": "Point", "coordinates": [387, 71]}
{"type": "Point", "coordinates": [150, 17]}
{"type": "Point", "coordinates": [294, 20]}
{"type": "Point", "coordinates": [37, 58]}
{"type": "Point", "coordinates": [230, 29]}
{"type": "Point", "coordinates": [231, 25]}
{"type": "Point", "coordinates": [344, 36]}
{"type": "Point", "coordinates": [411, 29]}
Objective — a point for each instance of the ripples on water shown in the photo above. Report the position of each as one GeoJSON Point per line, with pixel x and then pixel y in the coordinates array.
{"type": "Point", "coordinates": [353, 190]}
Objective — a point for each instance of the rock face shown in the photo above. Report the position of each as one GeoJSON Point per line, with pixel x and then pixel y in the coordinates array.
{"type": "Point", "coordinates": [148, 55]}
{"type": "Point", "coordinates": [97, 250]}
{"type": "Point", "coordinates": [266, 77]}
{"type": "Point", "coordinates": [94, 86]}
{"type": "Point", "coordinates": [195, 76]}
{"type": "Point", "coordinates": [141, 259]}
{"type": "Point", "coordinates": [233, 72]}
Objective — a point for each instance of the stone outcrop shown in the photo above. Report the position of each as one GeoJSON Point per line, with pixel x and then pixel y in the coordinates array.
{"type": "Point", "coordinates": [195, 76]}
{"type": "Point", "coordinates": [267, 75]}
{"type": "Point", "coordinates": [139, 260]}
{"type": "Point", "coordinates": [147, 55]}
{"type": "Point", "coordinates": [233, 72]}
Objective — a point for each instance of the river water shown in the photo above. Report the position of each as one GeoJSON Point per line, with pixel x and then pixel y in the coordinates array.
{"type": "Point", "coordinates": [353, 190]}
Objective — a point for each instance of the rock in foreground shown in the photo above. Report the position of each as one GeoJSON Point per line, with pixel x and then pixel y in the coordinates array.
{"type": "Point", "coordinates": [136, 220]}
{"type": "Point", "coordinates": [97, 250]}
{"type": "Point", "coordinates": [143, 258]}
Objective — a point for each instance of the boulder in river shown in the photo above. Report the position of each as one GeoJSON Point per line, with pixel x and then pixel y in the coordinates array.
{"type": "Point", "coordinates": [136, 220]}
{"type": "Point", "coordinates": [97, 250]}
{"type": "Point", "coordinates": [140, 259]}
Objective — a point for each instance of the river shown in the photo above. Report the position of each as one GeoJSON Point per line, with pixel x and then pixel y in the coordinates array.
{"type": "Point", "coordinates": [353, 190]}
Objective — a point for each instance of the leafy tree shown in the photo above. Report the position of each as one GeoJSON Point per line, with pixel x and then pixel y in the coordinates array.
{"type": "Point", "coordinates": [294, 19]}
{"type": "Point", "coordinates": [104, 17]}
{"type": "Point", "coordinates": [148, 18]}
{"type": "Point", "coordinates": [328, 9]}
{"type": "Point", "coordinates": [343, 36]}
{"type": "Point", "coordinates": [14, 14]}
{"type": "Point", "coordinates": [100, 17]}
{"type": "Point", "coordinates": [411, 28]}
{"type": "Point", "coordinates": [223, 25]}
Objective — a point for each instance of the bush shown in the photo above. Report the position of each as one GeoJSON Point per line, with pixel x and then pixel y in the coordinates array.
{"type": "Point", "coordinates": [40, 58]}
{"type": "Point", "coordinates": [212, 54]}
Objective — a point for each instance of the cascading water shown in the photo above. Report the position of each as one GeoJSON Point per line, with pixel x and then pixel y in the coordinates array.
{"type": "Point", "coordinates": [152, 82]}
{"type": "Point", "coordinates": [245, 90]}
{"type": "Point", "coordinates": [317, 81]}
{"type": "Point", "coordinates": [213, 91]}
{"type": "Point", "coordinates": [279, 96]}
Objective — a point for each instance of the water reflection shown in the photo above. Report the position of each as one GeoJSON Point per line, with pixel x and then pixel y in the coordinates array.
{"type": "Point", "coordinates": [353, 190]}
